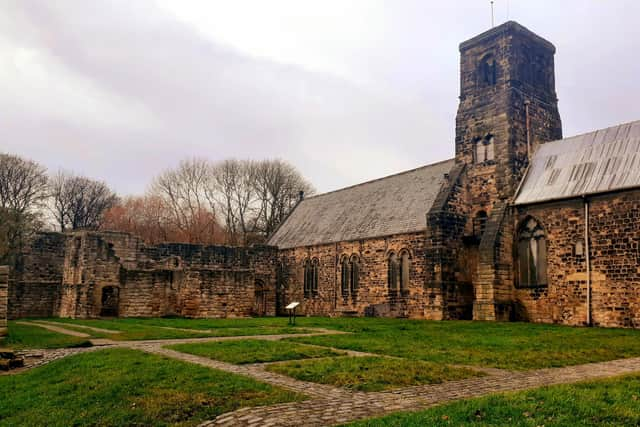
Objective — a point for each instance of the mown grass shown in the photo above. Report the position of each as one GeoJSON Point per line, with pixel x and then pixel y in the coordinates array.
{"type": "Point", "coordinates": [516, 346]}
{"type": "Point", "coordinates": [154, 328]}
{"type": "Point", "coordinates": [371, 373]}
{"type": "Point", "coordinates": [253, 351]}
{"type": "Point", "coordinates": [127, 387]}
{"type": "Point", "coordinates": [612, 402]}
{"type": "Point", "coordinates": [24, 336]}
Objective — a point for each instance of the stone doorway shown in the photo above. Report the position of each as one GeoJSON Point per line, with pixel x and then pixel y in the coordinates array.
{"type": "Point", "coordinates": [260, 304]}
{"type": "Point", "coordinates": [110, 300]}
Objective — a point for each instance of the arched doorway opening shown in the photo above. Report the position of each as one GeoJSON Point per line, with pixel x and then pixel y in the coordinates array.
{"type": "Point", "coordinates": [109, 301]}
{"type": "Point", "coordinates": [260, 303]}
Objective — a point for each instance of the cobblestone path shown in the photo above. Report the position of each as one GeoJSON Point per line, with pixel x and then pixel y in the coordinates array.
{"type": "Point", "coordinates": [330, 405]}
{"type": "Point", "coordinates": [338, 407]}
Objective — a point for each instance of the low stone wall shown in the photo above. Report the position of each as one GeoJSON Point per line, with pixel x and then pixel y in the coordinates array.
{"type": "Point", "coordinates": [4, 299]}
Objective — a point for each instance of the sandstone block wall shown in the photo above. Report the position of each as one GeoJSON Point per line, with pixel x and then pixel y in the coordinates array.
{"type": "Point", "coordinates": [4, 299]}
{"type": "Point", "coordinates": [372, 297]}
{"type": "Point", "coordinates": [90, 274]}
{"type": "Point", "coordinates": [615, 263]}
{"type": "Point", "coordinates": [34, 286]}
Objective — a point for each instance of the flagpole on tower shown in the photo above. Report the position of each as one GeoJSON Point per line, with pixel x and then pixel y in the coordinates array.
{"type": "Point", "coordinates": [492, 14]}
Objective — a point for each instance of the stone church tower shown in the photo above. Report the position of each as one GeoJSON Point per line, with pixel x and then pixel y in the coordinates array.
{"type": "Point", "coordinates": [508, 107]}
{"type": "Point", "coordinates": [504, 73]}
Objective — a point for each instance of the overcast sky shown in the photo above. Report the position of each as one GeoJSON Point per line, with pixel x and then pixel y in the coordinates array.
{"type": "Point", "coordinates": [345, 90]}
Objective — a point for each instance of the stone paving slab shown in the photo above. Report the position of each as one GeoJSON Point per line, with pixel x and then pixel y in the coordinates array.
{"type": "Point", "coordinates": [58, 329]}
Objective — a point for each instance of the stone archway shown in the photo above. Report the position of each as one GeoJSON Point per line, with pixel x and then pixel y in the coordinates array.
{"type": "Point", "coordinates": [110, 300]}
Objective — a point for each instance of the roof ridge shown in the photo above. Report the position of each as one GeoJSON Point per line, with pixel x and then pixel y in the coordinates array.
{"type": "Point", "coordinates": [593, 131]}
{"type": "Point", "coordinates": [376, 179]}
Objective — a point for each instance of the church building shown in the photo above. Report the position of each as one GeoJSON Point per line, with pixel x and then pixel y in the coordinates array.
{"type": "Point", "coordinates": [521, 225]}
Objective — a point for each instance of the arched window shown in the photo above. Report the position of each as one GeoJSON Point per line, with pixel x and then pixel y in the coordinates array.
{"type": "Point", "coordinates": [355, 273]}
{"type": "Point", "coordinates": [483, 150]}
{"type": "Point", "coordinates": [488, 70]}
{"type": "Point", "coordinates": [392, 273]}
{"type": "Point", "coordinates": [532, 254]}
{"type": "Point", "coordinates": [489, 150]}
{"type": "Point", "coordinates": [345, 276]}
{"type": "Point", "coordinates": [479, 223]}
{"type": "Point", "coordinates": [307, 278]}
{"type": "Point", "coordinates": [315, 264]}
{"type": "Point", "coordinates": [405, 263]}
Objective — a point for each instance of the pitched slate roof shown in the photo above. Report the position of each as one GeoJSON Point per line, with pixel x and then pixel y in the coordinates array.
{"type": "Point", "coordinates": [386, 206]}
{"type": "Point", "coordinates": [596, 162]}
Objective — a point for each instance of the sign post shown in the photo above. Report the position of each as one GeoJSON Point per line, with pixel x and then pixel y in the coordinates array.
{"type": "Point", "coordinates": [292, 312]}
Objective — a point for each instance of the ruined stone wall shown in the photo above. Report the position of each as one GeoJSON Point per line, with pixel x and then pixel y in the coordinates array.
{"type": "Point", "coordinates": [35, 283]}
{"type": "Point", "coordinates": [615, 260]}
{"type": "Point", "coordinates": [373, 297]}
{"type": "Point", "coordinates": [91, 274]}
{"type": "Point", "coordinates": [4, 299]}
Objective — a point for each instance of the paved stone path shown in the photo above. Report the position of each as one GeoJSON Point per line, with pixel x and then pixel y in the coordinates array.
{"type": "Point", "coordinates": [330, 405]}
{"type": "Point", "coordinates": [336, 408]}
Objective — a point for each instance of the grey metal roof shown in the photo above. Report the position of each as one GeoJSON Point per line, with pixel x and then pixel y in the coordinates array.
{"type": "Point", "coordinates": [392, 205]}
{"type": "Point", "coordinates": [596, 162]}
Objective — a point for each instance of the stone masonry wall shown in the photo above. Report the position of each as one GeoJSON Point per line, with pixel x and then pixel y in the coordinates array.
{"type": "Point", "coordinates": [35, 283]}
{"type": "Point", "coordinates": [4, 299]}
{"type": "Point", "coordinates": [373, 297]}
{"type": "Point", "coordinates": [90, 274]}
{"type": "Point", "coordinates": [615, 259]}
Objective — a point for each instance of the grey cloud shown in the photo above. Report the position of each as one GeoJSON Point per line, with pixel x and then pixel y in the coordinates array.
{"type": "Point", "coordinates": [206, 99]}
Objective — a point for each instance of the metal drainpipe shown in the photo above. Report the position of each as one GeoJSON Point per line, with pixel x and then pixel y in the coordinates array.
{"type": "Point", "coordinates": [528, 126]}
{"type": "Point", "coordinates": [587, 258]}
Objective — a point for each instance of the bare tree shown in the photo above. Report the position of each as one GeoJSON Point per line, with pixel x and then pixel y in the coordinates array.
{"type": "Point", "coordinates": [78, 202]}
{"type": "Point", "coordinates": [251, 197]}
{"type": "Point", "coordinates": [23, 189]}
{"type": "Point", "coordinates": [23, 184]}
{"type": "Point", "coordinates": [150, 218]}
{"type": "Point", "coordinates": [235, 192]}
{"type": "Point", "coordinates": [278, 185]}
{"type": "Point", "coordinates": [188, 195]}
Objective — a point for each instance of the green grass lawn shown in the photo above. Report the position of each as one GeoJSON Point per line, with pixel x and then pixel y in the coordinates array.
{"type": "Point", "coordinates": [613, 402]}
{"type": "Point", "coordinates": [154, 328]}
{"type": "Point", "coordinates": [371, 373]}
{"type": "Point", "coordinates": [25, 336]}
{"type": "Point", "coordinates": [127, 387]}
{"type": "Point", "coordinates": [253, 351]}
{"type": "Point", "coordinates": [517, 346]}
